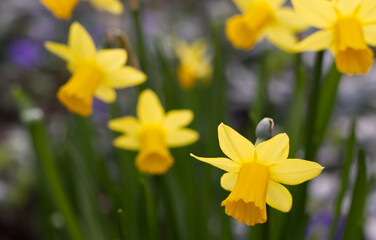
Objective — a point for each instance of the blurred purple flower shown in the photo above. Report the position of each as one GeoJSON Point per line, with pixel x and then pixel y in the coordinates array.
{"type": "Point", "coordinates": [24, 53]}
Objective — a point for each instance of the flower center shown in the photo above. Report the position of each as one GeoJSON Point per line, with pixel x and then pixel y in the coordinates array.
{"type": "Point", "coordinates": [154, 156]}
{"type": "Point", "coordinates": [244, 30]}
{"type": "Point", "coordinates": [247, 201]}
{"type": "Point", "coordinates": [353, 56]}
{"type": "Point", "coordinates": [77, 94]}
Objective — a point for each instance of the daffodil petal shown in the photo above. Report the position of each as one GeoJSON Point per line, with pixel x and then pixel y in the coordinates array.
{"type": "Point", "coordinates": [106, 94]}
{"type": "Point", "coordinates": [111, 59]}
{"type": "Point", "coordinates": [316, 41]}
{"type": "Point", "coordinates": [278, 197]}
{"type": "Point", "coordinates": [128, 125]}
{"type": "Point", "coordinates": [149, 108]}
{"type": "Point", "coordinates": [294, 171]}
{"type": "Point", "coordinates": [61, 51]}
{"type": "Point", "coordinates": [347, 7]}
{"type": "Point", "coordinates": [125, 77]}
{"type": "Point", "coordinates": [243, 5]}
{"type": "Point", "coordinates": [178, 118]}
{"type": "Point", "coordinates": [282, 37]}
{"type": "Point", "coordinates": [288, 18]}
{"type": "Point", "coordinates": [81, 42]}
{"type": "Point", "coordinates": [127, 142]}
{"type": "Point", "coordinates": [112, 6]}
{"type": "Point", "coordinates": [274, 150]}
{"type": "Point", "coordinates": [181, 137]}
{"type": "Point", "coordinates": [234, 145]}
{"type": "Point", "coordinates": [367, 11]}
{"type": "Point", "coordinates": [370, 34]}
{"type": "Point", "coordinates": [276, 3]}
{"type": "Point", "coordinates": [228, 180]}
{"type": "Point", "coordinates": [221, 163]}
{"type": "Point", "coordinates": [318, 13]}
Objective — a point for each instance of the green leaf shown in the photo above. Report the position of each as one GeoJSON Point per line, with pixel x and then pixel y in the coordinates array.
{"type": "Point", "coordinates": [355, 217]}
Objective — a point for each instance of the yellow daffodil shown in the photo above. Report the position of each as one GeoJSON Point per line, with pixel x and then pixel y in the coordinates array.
{"type": "Point", "coordinates": [194, 63]}
{"type": "Point", "coordinates": [254, 174]}
{"type": "Point", "coordinates": [264, 18]}
{"type": "Point", "coordinates": [94, 73]}
{"type": "Point", "coordinates": [153, 133]}
{"type": "Point", "coordinates": [346, 27]}
{"type": "Point", "coordinates": [64, 8]}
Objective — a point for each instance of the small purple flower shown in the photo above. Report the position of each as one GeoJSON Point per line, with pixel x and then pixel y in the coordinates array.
{"type": "Point", "coordinates": [24, 53]}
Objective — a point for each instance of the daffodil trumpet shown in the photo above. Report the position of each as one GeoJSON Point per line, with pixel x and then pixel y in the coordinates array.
{"type": "Point", "coordinates": [254, 175]}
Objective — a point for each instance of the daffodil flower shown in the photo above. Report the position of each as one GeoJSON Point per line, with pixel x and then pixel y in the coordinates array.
{"type": "Point", "coordinates": [64, 8]}
{"type": "Point", "coordinates": [346, 27]}
{"type": "Point", "coordinates": [254, 174]}
{"type": "Point", "coordinates": [194, 63]}
{"type": "Point", "coordinates": [264, 19]}
{"type": "Point", "coordinates": [153, 133]}
{"type": "Point", "coordinates": [94, 73]}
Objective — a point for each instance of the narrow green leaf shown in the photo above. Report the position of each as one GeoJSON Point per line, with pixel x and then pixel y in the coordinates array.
{"type": "Point", "coordinates": [350, 146]}
{"type": "Point", "coordinates": [355, 217]}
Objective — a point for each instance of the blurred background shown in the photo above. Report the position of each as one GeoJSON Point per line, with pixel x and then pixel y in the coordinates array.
{"type": "Point", "coordinates": [26, 211]}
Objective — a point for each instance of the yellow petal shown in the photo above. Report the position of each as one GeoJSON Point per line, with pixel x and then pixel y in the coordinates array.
{"type": "Point", "coordinates": [80, 41]}
{"type": "Point", "coordinates": [294, 171]}
{"type": "Point", "coordinates": [316, 41]}
{"type": "Point", "coordinates": [181, 137]}
{"type": "Point", "coordinates": [282, 38]}
{"type": "Point", "coordinates": [288, 18]}
{"type": "Point", "coordinates": [149, 108]}
{"type": "Point", "coordinates": [125, 77]}
{"type": "Point", "coordinates": [278, 197]}
{"type": "Point", "coordinates": [178, 118]}
{"type": "Point", "coordinates": [221, 163]}
{"type": "Point", "coordinates": [111, 59]}
{"type": "Point", "coordinates": [347, 7]}
{"type": "Point", "coordinates": [273, 150]}
{"type": "Point", "coordinates": [60, 8]}
{"type": "Point", "coordinates": [112, 6]}
{"type": "Point", "coordinates": [243, 5]}
{"type": "Point", "coordinates": [128, 125]}
{"type": "Point", "coordinates": [127, 142]}
{"type": "Point", "coordinates": [367, 11]}
{"type": "Point", "coordinates": [106, 94]}
{"type": "Point", "coordinates": [61, 51]}
{"type": "Point", "coordinates": [318, 13]}
{"type": "Point", "coordinates": [234, 145]}
{"type": "Point", "coordinates": [276, 3]}
{"type": "Point", "coordinates": [228, 180]}
{"type": "Point", "coordinates": [370, 33]}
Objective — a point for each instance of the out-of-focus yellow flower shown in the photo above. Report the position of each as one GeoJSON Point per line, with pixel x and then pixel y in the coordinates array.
{"type": "Point", "coordinates": [254, 174]}
{"type": "Point", "coordinates": [194, 63]}
{"type": "Point", "coordinates": [264, 18]}
{"type": "Point", "coordinates": [64, 8]}
{"type": "Point", "coordinates": [94, 73]}
{"type": "Point", "coordinates": [346, 27]}
{"type": "Point", "coordinates": [153, 133]}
